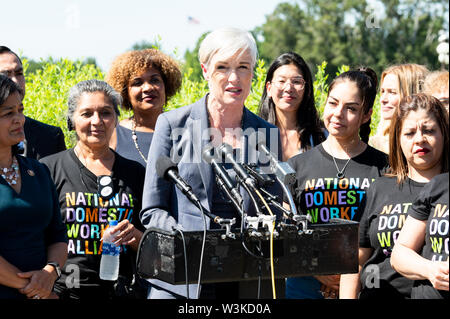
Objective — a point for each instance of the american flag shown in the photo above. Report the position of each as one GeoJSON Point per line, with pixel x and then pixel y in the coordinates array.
{"type": "Point", "coordinates": [193, 20]}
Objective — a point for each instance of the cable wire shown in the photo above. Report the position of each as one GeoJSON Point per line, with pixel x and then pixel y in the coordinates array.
{"type": "Point", "coordinates": [202, 251]}
{"type": "Point", "coordinates": [272, 272]}
{"type": "Point", "coordinates": [185, 262]}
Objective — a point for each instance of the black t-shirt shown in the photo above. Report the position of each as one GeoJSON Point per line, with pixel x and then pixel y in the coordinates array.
{"type": "Point", "coordinates": [320, 194]}
{"type": "Point", "coordinates": [86, 216]}
{"type": "Point", "coordinates": [432, 206]}
{"type": "Point", "coordinates": [385, 212]}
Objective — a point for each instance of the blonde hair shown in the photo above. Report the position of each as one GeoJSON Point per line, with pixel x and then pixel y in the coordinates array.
{"type": "Point", "coordinates": [410, 77]}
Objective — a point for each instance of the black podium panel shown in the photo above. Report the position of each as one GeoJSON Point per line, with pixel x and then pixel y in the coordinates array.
{"type": "Point", "coordinates": [325, 249]}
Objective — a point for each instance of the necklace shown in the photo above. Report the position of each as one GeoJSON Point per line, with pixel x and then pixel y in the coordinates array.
{"type": "Point", "coordinates": [340, 173]}
{"type": "Point", "coordinates": [11, 174]}
{"type": "Point", "coordinates": [135, 138]}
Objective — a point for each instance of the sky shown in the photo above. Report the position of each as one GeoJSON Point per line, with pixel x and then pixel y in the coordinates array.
{"type": "Point", "coordinates": [77, 29]}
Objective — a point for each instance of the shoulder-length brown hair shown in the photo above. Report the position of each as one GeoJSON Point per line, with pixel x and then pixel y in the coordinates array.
{"type": "Point", "coordinates": [397, 161]}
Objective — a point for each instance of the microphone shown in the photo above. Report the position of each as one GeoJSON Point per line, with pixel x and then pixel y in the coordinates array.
{"type": "Point", "coordinates": [283, 171]}
{"type": "Point", "coordinates": [168, 170]}
{"type": "Point", "coordinates": [223, 176]}
{"type": "Point", "coordinates": [226, 151]}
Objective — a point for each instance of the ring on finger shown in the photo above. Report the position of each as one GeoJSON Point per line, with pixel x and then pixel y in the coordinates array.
{"type": "Point", "coordinates": [36, 297]}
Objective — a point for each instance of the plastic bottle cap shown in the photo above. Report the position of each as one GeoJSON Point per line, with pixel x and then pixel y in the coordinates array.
{"type": "Point", "coordinates": [113, 223]}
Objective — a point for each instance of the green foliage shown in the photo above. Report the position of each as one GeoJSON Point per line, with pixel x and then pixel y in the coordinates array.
{"type": "Point", "coordinates": [47, 90]}
{"type": "Point", "coordinates": [320, 87]}
{"type": "Point", "coordinates": [191, 60]}
{"type": "Point", "coordinates": [144, 44]}
{"type": "Point", "coordinates": [252, 102]}
{"type": "Point", "coordinates": [371, 33]}
{"type": "Point", "coordinates": [190, 91]}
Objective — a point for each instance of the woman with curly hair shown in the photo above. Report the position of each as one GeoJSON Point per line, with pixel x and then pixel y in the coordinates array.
{"type": "Point", "coordinates": [146, 79]}
{"type": "Point", "coordinates": [288, 102]}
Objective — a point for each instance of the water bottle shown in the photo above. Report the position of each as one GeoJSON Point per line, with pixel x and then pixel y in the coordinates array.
{"type": "Point", "coordinates": [109, 263]}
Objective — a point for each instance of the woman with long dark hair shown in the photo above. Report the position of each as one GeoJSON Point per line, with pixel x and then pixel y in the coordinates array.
{"type": "Point", "coordinates": [332, 178]}
{"type": "Point", "coordinates": [288, 103]}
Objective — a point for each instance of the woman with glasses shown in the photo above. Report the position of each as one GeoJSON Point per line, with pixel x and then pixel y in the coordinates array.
{"type": "Point", "coordinates": [288, 103]}
{"type": "Point", "coordinates": [96, 185]}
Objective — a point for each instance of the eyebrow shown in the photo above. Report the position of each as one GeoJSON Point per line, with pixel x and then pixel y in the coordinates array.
{"type": "Point", "coordinates": [89, 108]}
{"type": "Point", "coordinates": [19, 68]}
{"type": "Point", "coordinates": [137, 77]}
{"type": "Point", "coordinates": [420, 125]}
{"type": "Point", "coordinates": [293, 77]}
{"type": "Point", "coordinates": [351, 103]}
{"type": "Point", "coordinates": [6, 108]}
{"type": "Point", "coordinates": [225, 62]}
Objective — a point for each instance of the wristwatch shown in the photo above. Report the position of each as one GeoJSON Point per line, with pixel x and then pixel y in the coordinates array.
{"type": "Point", "coordinates": [57, 268]}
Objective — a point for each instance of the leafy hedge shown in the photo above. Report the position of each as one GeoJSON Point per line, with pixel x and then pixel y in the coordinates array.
{"type": "Point", "coordinates": [47, 90]}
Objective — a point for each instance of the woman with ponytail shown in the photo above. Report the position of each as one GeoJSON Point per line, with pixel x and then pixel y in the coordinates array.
{"type": "Point", "coordinates": [339, 170]}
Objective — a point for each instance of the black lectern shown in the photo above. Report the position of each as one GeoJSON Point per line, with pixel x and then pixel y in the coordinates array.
{"type": "Point", "coordinates": [323, 249]}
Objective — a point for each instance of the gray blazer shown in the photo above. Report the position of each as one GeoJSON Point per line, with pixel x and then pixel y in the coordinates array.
{"type": "Point", "coordinates": [182, 134]}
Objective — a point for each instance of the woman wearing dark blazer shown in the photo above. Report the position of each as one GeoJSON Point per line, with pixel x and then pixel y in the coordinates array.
{"type": "Point", "coordinates": [32, 237]}
{"type": "Point", "coordinates": [227, 59]}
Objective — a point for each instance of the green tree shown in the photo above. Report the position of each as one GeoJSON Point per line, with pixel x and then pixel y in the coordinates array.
{"type": "Point", "coordinates": [144, 44]}
{"type": "Point", "coordinates": [355, 32]}
{"type": "Point", "coordinates": [191, 64]}
{"type": "Point", "coordinates": [48, 87]}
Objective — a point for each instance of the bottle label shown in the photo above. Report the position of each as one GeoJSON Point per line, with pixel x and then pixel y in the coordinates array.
{"type": "Point", "coordinates": [110, 249]}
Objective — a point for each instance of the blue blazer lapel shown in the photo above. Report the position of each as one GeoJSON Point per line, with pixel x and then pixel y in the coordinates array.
{"type": "Point", "coordinates": [199, 117]}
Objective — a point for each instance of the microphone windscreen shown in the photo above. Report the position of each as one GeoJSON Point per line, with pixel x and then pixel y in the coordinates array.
{"type": "Point", "coordinates": [163, 164]}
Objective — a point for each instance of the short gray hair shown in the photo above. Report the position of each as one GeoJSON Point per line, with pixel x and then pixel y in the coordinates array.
{"type": "Point", "coordinates": [227, 41]}
{"type": "Point", "coordinates": [91, 86]}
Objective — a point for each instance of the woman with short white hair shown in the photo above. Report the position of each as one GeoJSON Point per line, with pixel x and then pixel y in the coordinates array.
{"type": "Point", "coordinates": [227, 58]}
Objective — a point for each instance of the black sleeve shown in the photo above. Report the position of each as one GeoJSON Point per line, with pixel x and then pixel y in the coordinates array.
{"type": "Point", "coordinates": [421, 206]}
{"type": "Point", "coordinates": [56, 231]}
{"type": "Point", "coordinates": [364, 209]}
{"type": "Point", "coordinates": [60, 142]}
{"type": "Point", "coordinates": [292, 162]}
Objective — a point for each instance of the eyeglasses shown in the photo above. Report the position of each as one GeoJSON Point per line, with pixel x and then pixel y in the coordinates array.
{"type": "Point", "coordinates": [297, 83]}
{"type": "Point", "coordinates": [105, 186]}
